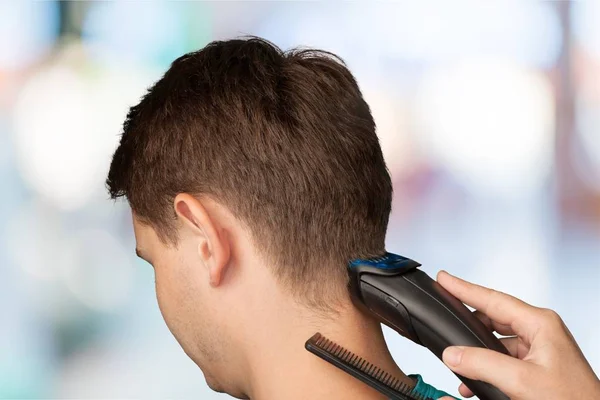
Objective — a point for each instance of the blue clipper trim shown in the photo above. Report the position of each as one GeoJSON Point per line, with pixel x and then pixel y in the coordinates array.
{"type": "Point", "coordinates": [387, 261]}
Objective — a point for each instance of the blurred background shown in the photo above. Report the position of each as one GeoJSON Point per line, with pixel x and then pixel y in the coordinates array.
{"type": "Point", "coordinates": [488, 113]}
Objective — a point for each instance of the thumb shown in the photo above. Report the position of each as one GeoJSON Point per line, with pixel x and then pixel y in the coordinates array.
{"type": "Point", "coordinates": [502, 371]}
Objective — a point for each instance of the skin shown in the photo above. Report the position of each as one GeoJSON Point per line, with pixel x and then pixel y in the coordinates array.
{"type": "Point", "coordinates": [238, 323]}
{"type": "Point", "coordinates": [546, 362]}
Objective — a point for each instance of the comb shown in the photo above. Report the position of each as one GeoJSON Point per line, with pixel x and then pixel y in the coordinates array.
{"type": "Point", "coordinates": [359, 368]}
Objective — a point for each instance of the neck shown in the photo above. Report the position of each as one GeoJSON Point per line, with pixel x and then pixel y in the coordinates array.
{"type": "Point", "coordinates": [280, 367]}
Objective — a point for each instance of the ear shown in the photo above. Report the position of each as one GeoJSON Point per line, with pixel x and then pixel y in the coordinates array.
{"type": "Point", "coordinates": [213, 241]}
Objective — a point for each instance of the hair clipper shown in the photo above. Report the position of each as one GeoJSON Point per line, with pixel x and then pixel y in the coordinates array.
{"type": "Point", "coordinates": [407, 300]}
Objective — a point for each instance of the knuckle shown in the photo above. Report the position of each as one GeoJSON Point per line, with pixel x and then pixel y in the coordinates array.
{"type": "Point", "coordinates": [497, 303]}
{"type": "Point", "coordinates": [550, 317]}
{"type": "Point", "coordinates": [466, 359]}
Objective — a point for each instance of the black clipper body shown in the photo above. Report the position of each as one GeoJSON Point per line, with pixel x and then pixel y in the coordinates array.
{"type": "Point", "coordinates": [407, 300]}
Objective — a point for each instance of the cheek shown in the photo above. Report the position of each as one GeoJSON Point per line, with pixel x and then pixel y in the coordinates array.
{"type": "Point", "coordinates": [180, 299]}
{"type": "Point", "coordinates": [172, 293]}
{"type": "Point", "coordinates": [187, 305]}
{"type": "Point", "coordinates": [164, 297]}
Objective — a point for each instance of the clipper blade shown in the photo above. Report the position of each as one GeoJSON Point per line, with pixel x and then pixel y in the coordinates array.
{"type": "Point", "coordinates": [359, 368]}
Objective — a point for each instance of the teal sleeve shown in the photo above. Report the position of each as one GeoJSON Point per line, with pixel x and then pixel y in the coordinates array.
{"type": "Point", "coordinates": [428, 391]}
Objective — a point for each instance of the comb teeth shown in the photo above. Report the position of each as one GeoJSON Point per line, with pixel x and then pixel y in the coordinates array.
{"type": "Point", "coordinates": [362, 366]}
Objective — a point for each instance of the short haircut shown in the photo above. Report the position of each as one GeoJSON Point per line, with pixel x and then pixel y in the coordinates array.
{"type": "Point", "coordinates": [283, 139]}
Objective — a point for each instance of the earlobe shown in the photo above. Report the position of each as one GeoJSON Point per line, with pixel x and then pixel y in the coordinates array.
{"type": "Point", "coordinates": [213, 241]}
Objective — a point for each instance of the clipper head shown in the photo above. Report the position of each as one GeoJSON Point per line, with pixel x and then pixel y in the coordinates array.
{"type": "Point", "coordinates": [394, 388]}
{"type": "Point", "coordinates": [387, 265]}
{"type": "Point", "coordinates": [387, 262]}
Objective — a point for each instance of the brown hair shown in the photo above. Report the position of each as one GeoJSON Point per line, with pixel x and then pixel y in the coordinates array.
{"type": "Point", "coordinates": [283, 139]}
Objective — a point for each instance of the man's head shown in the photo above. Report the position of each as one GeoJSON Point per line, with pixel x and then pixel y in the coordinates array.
{"type": "Point", "coordinates": [244, 162]}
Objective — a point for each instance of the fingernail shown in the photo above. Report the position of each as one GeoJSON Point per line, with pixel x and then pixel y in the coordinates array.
{"type": "Point", "coordinates": [443, 271]}
{"type": "Point", "coordinates": [453, 355]}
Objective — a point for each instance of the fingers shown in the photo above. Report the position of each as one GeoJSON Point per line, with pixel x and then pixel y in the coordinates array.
{"type": "Point", "coordinates": [512, 345]}
{"type": "Point", "coordinates": [500, 370]}
{"type": "Point", "coordinates": [505, 330]}
{"type": "Point", "coordinates": [500, 307]}
{"type": "Point", "coordinates": [551, 361]}
{"type": "Point", "coordinates": [465, 391]}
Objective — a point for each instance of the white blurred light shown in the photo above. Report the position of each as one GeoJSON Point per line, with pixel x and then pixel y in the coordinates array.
{"type": "Point", "coordinates": [390, 118]}
{"type": "Point", "coordinates": [102, 276]}
{"type": "Point", "coordinates": [36, 241]}
{"type": "Point", "coordinates": [27, 31]}
{"type": "Point", "coordinates": [489, 123]}
{"type": "Point", "coordinates": [585, 16]}
{"type": "Point", "coordinates": [66, 126]}
{"type": "Point", "coordinates": [54, 146]}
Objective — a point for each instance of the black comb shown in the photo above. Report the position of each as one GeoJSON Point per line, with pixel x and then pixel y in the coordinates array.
{"type": "Point", "coordinates": [359, 368]}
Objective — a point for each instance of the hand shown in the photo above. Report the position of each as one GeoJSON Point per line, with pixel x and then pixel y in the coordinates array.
{"type": "Point", "coordinates": [546, 362]}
